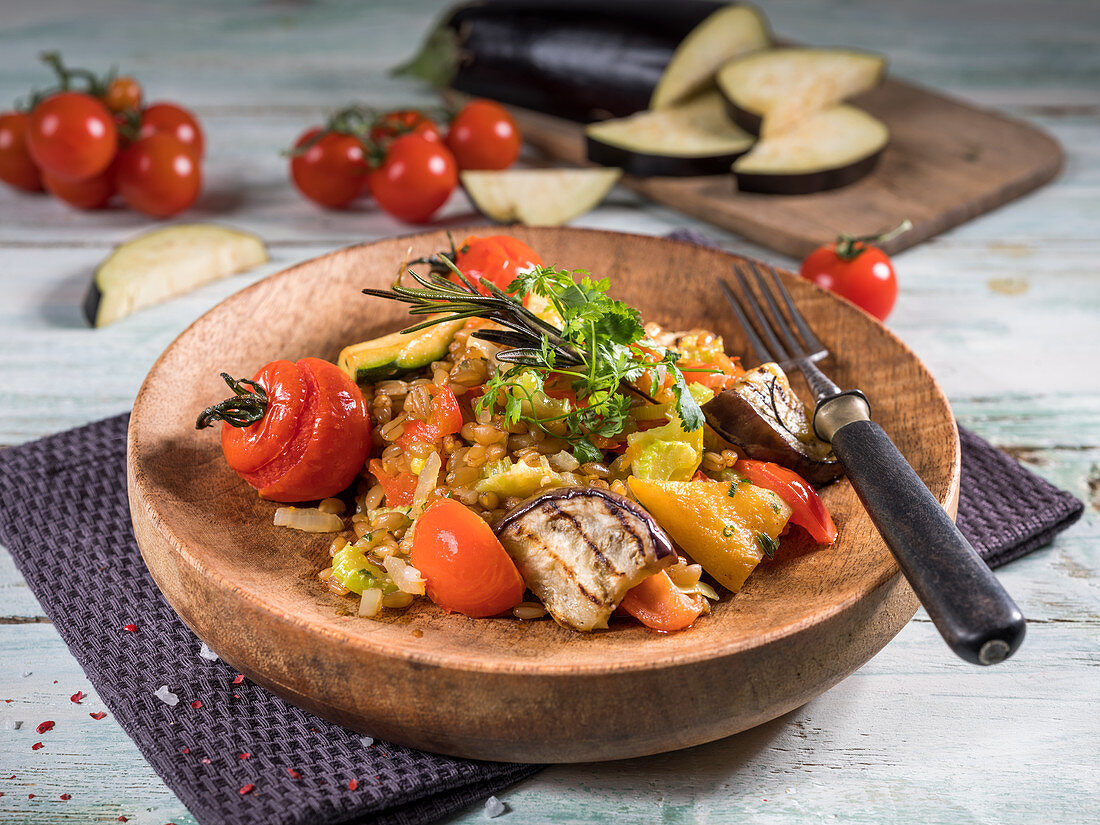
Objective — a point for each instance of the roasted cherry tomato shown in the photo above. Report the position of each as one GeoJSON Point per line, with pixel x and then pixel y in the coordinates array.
{"type": "Point", "coordinates": [465, 567]}
{"type": "Point", "coordinates": [399, 490]}
{"type": "Point", "coordinates": [90, 193]}
{"type": "Point", "coordinates": [484, 136]}
{"type": "Point", "coordinates": [807, 508]}
{"type": "Point", "coordinates": [158, 175]}
{"type": "Point", "coordinates": [177, 121]}
{"type": "Point", "coordinates": [296, 431]}
{"type": "Point", "coordinates": [444, 418]}
{"type": "Point", "coordinates": [661, 605]}
{"type": "Point", "coordinates": [415, 179]}
{"type": "Point", "coordinates": [123, 94]}
{"type": "Point", "coordinates": [72, 135]}
{"type": "Point", "coordinates": [855, 269]}
{"type": "Point", "coordinates": [497, 258]}
{"type": "Point", "coordinates": [393, 125]}
{"type": "Point", "coordinates": [332, 170]}
{"type": "Point", "coordinates": [16, 167]}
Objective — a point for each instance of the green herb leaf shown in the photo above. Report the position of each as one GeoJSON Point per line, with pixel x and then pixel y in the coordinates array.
{"type": "Point", "coordinates": [767, 544]}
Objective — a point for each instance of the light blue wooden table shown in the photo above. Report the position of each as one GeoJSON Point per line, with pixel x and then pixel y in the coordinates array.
{"type": "Point", "coordinates": [1005, 310]}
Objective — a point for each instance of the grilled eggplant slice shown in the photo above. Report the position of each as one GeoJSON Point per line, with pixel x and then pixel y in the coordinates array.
{"type": "Point", "coordinates": [762, 415]}
{"type": "Point", "coordinates": [833, 148]}
{"type": "Point", "coordinates": [769, 92]}
{"type": "Point", "coordinates": [538, 197]}
{"type": "Point", "coordinates": [694, 138]}
{"type": "Point", "coordinates": [580, 549]}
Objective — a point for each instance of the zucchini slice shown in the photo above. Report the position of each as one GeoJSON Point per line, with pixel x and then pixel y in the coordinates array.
{"type": "Point", "coordinates": [164, 263]}
{"type": "Point", "coordinates": [722, 36]}
{"type": "Point", "coordinates": [538, 197]}
{"type": "Point", "coordinates": [771, 91]}
{"type": "Point", "coordinates": [397, 353]}
{"type": "Point", "coordinates": [830, 149]}
{"type": "Point", "coordinates": [694, 138]}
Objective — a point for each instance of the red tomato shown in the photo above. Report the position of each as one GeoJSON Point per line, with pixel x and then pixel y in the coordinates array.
{"type": "Point", "coordinates": [497, 258]}
{"type": "Point", "coordinates": [807, 508]}
{"type": "Point", "coordinates": [402, 122]}
{"type": "Point", "coordinates": [72, 135]}
{"type": "Point", "coordinates": [415, 179]}
{"type": "Point", "coordinates": [123, 94]}
{"type": "Point", "coordinates": [465, 567]}
{"type": "Point", "coordinates": [332, 171]}
{"type": "Point", "coordinates": [399, 490]}
{"type": "Point", "coordinates": [168, 117]}
{"type": "Point", "coordinates": [715, 377]}
{"type": "Point", "coordinates": [158, 175]}
{"type": "Point", "coordinates": [855, 269]}
{"type": "Point", "coordinates": [90, 193]}
{"type": "Point", "coordinates": [661, 605]}
{"type": "Point", "coordinates": [484, 136]}
{"type": "Point", "coordinates": [16, 167]}
{"type": "Point", "coordinates": [445, 418]}
{"type": "Point", "coordinates": [313, 438]}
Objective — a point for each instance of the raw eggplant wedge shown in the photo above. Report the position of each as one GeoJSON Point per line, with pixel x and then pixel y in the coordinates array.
{"type": "Point", "coordinates": [762, 415]}
{"type": "Point", "coordinates": [574, 59]}
{"type": "Point", "coordinates": [538, 197]}
{"type": "Point", "coordinates": [833, 148]}
{"type": "Point", "coordinates": [770, 92]}
{"type": "Point", "coordinates": [165, 263]}
{"type": "Point", "coordinates": [694, 138]}
{"type": "Point", "coordinates": [729, 32]}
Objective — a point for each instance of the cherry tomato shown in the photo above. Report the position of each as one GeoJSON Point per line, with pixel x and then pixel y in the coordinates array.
{"type": "Point", "coordinates": [807, 508]}
{"type": "Point", "coordinates": [399, 490]}
{"type": "Point", "coordinates": [313, 438]}
{"type": "Point", "coordinates": [168, 117]}
{"type": "Point", "coordinates": [444, 418]}
{"type": "Point", "coordinates": [465, 567]}
{"type": "Point", "coordinates": [158, 175]}
{"type": "Point", "coordinates": [661, 605]}
{"type": "Point", "coordinates": [415, 179]}
{"type": "Point", "coordinates": [72, 135]}
{"type": "Point", "coordinates": [123, 94]}
{"type": "Point", "coordinates": [90, 193]}
{"type": "Point", "coordinates": [392, 125]}
{"type": "Point", "coordinates": [857, 270]}
{"type": "Point", "coordinates": [332, 171]}
{"type": "Point", "coordinates": [484, 136]}
{"type": "Point", "coordinates": [497, 258]}
{"type": "Point", "coordinates": [16, 167]}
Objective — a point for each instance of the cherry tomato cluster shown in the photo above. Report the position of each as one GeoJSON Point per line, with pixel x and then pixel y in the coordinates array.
{"type": "Point", "coordinates": [403, 158]}
{"type": "Point", "coordinates": [89, 138]}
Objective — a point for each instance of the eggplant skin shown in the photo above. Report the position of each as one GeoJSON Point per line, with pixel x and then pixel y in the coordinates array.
{"type": "Point", "coordinates": [90, 306]}
{"type": "Point", "coordinates": [806, 183]}
{"type": "Point", "coordinates": [580, 549]}
{"type": "Point", "coordinates": [578, 60]}
{"type": "Point", "coordinates": [644, 165]}
{"type": "Point", "coordinates": [751, 122]}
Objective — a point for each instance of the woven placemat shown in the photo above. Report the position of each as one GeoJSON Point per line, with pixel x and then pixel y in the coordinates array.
{"type": "Point", "coordinates": [300, 770]}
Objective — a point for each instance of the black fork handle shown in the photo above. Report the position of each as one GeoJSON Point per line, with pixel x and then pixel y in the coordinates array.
{"type": "Point", "coordinates": [970, 608]}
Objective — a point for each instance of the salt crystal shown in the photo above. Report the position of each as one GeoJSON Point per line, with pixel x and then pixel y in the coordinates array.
{"type": "Point", "coordinates": [494, 807]}
{"type": "Point", "coordinates": [208, 654]}
{"type": "Point", "coordinates": [367, 741]}
{"type": "Point", "coordinates": [13, 724]}
{"type": "Point", "coordinates": [166, 696]}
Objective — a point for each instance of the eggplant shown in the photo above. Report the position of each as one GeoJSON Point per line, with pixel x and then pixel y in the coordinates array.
{"type": "Point", "coordinates": [693, 138]}
{"type": "Point", "coordinates": [578, 60]}
{"type": "Point", "coordinates": [538, 197]}
{"type": "Point", "coordinates": [762, 415]}
{"type": "Point", "coordinates": [580, 549]}
{"type": "Point", "coordinates": [833, 148]}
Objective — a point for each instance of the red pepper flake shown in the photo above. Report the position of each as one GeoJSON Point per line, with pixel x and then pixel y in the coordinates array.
{"type": "Point", "coordinates": [30, 796]}
{"type": "Point", "coordinates": [205, 760]}
{"type": "Point", "coordinates": [129, 628]}
{"type": "Point", "coordinates": [122, 819]}
{"type": "Point", "coordinates": [65, 797]}
{"type": "Point", "coordinates": [99, 714]}
{"type": "Point", "coordinates": [353, 784]}
{"type": "Point", "coordinates": [45, 726]}
{"type": "Point", "coordinates": [77, 697]}
{"type": "Point", "coordinates": [196, 704]}
{"type": "Point", "coordinates": [247, 788]}
{"type": "Point", "coordinates": [235, 696]}
{"type": "Point", "coordinates": [8, 701]}
{"type": "Point", "coordinates": [293, 773]}
{"type": "Point", "coordinates": [238, 679]}
{"type": "Point", "coordinates": [243, 755]}
{"type": "Point", "coordinates": [186, 750]}
{"type": "Point", "coordinates": [36, 746]}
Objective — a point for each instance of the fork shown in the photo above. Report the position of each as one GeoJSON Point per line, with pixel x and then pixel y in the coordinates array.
{"type": "Point", "coordinates": [970, 608]}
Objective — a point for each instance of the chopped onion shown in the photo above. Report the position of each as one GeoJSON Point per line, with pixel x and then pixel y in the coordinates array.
{"type": "Point", "coordinates": [308, 519]}
{"type": "Point", "coordinates": [685, 575]}
{"type": "Point", "coordinates": [564, 461]}
{"type": "Point", "coordinates": [405, 576]}
{"type": "Point", "coordinates": [429, 475]}
{"type": "Point", "coordinates": [371, 603]}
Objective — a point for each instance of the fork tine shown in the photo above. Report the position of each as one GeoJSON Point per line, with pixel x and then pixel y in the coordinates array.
{"type": "Point", "coordinates": [758, 345]}
{"type": "Point", "coordinates": [765, 326]}
{"type": "Point", "coordinates": [799, 321]}
{"type": "Point", "coordinates": [791, 340]}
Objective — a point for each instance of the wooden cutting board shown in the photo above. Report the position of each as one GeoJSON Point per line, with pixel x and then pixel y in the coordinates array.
{"type": "Point", "coordinates": [947, 163]}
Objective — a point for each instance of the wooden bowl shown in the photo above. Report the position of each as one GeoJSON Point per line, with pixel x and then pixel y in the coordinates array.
{"type": "Point", "coordinates": [498, 688]}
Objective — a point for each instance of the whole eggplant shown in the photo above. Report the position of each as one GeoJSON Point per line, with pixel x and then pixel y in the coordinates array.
{"type": "Point", "coordinates": [583, 61]}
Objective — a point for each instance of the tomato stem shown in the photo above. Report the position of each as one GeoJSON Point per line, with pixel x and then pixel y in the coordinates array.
{"type": "Point", "coordinates": [848, 247]}
{"type": "Point", "coordinates": [247, 406]}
